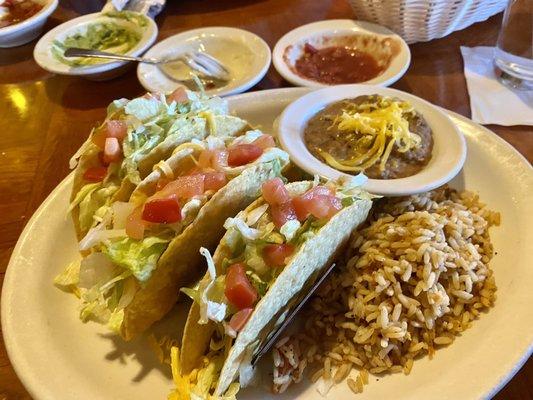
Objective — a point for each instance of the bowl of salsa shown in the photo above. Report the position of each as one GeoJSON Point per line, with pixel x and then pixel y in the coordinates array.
{"type": "Point", "coordinates": [335, 52]}
{"type": "Point", "coordinates": [21, 21]}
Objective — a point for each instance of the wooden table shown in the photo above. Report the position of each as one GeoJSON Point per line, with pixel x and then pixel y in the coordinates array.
{"type": "Point", "coordinates": [44, 118]}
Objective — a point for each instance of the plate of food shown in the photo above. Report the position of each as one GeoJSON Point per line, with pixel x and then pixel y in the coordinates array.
{"type": "Point", "coordinates": [120, 32]}
{"type": "Point", "coordinates": [192, 235]}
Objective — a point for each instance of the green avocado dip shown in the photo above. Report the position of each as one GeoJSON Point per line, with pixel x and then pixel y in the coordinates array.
{"type": "Point", "coordinates": [109, 35]}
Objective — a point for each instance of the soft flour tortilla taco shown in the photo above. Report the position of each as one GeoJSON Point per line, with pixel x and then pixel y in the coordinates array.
{"type": "Point", "coordinates": [143, 251]}
{"type": "Point", "coordinates": [135, 135]}
{"type": "Point", "coordinates": [269, 254]}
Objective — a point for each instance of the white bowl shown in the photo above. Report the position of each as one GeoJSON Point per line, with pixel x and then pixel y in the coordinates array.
{"type": "Point", "coordinates": [210, 40]}
{"type": "Point", "coordinates": [337, 28]}
{"type": "Point", "coordinates": [29, 29]}
{"type": "Point", "coordinates": [102, 71]}
{"type": "Point", "coordinates": [447, 158]}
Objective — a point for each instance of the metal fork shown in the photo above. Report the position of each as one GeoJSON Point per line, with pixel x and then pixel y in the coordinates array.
{"type": "Point", "coordinates": [265, 347]}
{"type": "Point", "coordinates": [198, 61]}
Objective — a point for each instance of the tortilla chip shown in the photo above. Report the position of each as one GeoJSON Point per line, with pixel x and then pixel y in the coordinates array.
{"type": "Point", "coordinates": [181, 264]}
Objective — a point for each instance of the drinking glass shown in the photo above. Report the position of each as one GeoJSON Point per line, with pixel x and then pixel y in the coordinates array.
{"type": "Point", "coordinates": [513, 55]}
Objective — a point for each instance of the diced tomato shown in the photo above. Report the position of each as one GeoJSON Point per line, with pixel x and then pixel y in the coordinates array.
{"type": "Point", "coordinates": [214, 180]}
{"type": "Point", "coordinates": [239, 319]}
{"type": "Point", "coordinates": [239, 291]}
{"type": "Point", "coordinates": [184, 187]}
{"type": "Point", "coordinates": [275, 254]}
{"type": "Point", "coordinates": [117, 129]}
{"type": "Point", "coordinates": [101, 159]}
{"type": "Point", "coordinates": [243, 154]}
{"type": "Point", "coordinates": [265, 142]}
{"type": "Point", "coordinates": [215, 159]}
{"type": "Point", "coordinates": [95, 174]}
{"type": "Point", "coordinates": [282, 213]}
{"type": "Point", "coordinates": [135, 226]}
{"type": "Point", "coordinates": [319, 202]}
{"type": "Point", "coordinates": [112, 150]}
{"type": "Point", "coordinates": [274, 192]}
{"type": "Point", "coordinates": [179, 96]}
{"type": "Point", "coordinates": [112, 129]}
{"type": "Point", "coordinates": [162, 211]}
{"type": "Point", "coordinates": [219, 159]}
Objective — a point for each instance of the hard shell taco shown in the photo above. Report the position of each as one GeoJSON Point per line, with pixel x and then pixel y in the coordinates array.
{"type": "Point", "coordinates": [135, 135]}
{"type": "Point", "coordinates": [143, 251]}
{"type": "Point", "coordinates": [271, 251]}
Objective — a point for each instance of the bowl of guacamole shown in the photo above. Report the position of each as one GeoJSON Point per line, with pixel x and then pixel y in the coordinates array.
{"type": "Point", "coordinates": [121, 32]}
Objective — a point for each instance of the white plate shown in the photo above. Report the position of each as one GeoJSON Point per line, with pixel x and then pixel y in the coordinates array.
{"type": "Point", "coordinates": [447, 157]}
{"type": "Point", "coordinates": [102, 71]}
{"type": "Point", "coordinates": [214, 41]}
{"type": "Point", "coordinates": [29, 29]}
{"type": "Point", "coordinates": [59, 358]}
{"type": "Point", "coordinates": [339, 27]}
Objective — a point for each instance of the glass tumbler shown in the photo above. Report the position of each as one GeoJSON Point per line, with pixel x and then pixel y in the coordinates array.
{"type": "Point", "coordinates": [513, 55]}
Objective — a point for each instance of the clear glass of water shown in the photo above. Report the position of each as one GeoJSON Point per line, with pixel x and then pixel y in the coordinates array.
{"type": "Point", "coordinates": [513, 55]}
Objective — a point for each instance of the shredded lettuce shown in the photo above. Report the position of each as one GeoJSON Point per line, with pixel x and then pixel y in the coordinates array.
{"type": "Point", "coordinates": [259, 284]}
{"type": "Point", "coordinates": [240, 225]}
{"type": "Point", "coordinates": [254, 258]}
{"type": "Point", "coordinates": [289, 229]}
{"type": "Point", "coordinates": [137, 256]}
{"type": "Point", "coordinates": [69, 278]}
{"type": "Point", "coordinates": [211, 293]}
{"type": "Point", "coordinates": [90, 198]}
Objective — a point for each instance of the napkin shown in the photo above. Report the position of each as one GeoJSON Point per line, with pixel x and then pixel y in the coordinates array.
{"type": "Point", "coordinates": [492, 102]}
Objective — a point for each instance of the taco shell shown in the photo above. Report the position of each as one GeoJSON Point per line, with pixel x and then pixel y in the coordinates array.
{"type": "Point", "coordinates": [181, 264]}
{"type": "Point", "coordinates": [312, 256]}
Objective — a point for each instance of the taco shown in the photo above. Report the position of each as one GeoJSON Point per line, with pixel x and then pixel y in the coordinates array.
{"type": "Point", "coordinates": [143, 251]}
{"type": "Point", "coordinates": [135, 135]}
{"type": "Point", "coordinates": [271, 251]}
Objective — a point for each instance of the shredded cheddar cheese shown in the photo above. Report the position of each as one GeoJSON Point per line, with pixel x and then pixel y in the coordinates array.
{"type": "Point", "coordinates": [379, 125]}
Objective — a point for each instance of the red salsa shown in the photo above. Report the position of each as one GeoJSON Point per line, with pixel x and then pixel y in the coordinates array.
{"type": "Point", "coordinates": [14, 11]}
{"type": "Point", "coordinates": [337, 64]}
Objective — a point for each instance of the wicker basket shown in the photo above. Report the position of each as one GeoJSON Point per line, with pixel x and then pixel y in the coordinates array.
{"type": "Point", "coordinates": [423, 20]}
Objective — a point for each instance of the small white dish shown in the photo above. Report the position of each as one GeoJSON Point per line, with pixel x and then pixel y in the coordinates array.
{"type": "Point", "coordinates": [447, 157]}
{"type": "Point", "coordinates": [29, 29]}
{"type": "Point", "coordinates": [290, 47]}
{"type": "Point", "coordinates": [98, 72]}
{"type": "Point", "coordinates": [245, 54]}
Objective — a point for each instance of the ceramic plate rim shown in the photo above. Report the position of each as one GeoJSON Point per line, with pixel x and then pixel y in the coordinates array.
{"type": "Point", "coordinates": [17, 355]}
{"type": "Point", "coordinates": [225, 31]}
{"type": "Point", "coordinates": [388, 77]}
{"type": "Point", "coordinates": [293, 119]}
{"type": "Point", "coordinates": [43, 57]}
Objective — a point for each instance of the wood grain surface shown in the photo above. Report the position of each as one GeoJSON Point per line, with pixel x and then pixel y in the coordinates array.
{"type": "Point", "coordinates": [44, 118]}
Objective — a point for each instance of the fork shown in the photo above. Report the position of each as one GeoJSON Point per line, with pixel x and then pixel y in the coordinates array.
{"type": "Point", "coordinates": [198, 61]}
{"type": "Point", "coordinates": [275, 334]}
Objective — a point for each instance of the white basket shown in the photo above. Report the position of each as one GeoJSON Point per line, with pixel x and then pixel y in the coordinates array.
{"type": "Point", "coordinates": [423, 20]}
